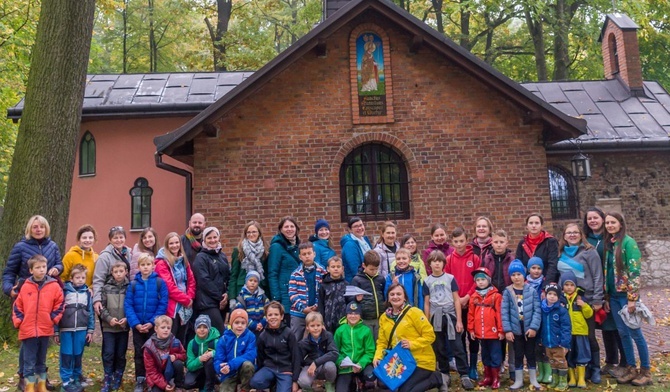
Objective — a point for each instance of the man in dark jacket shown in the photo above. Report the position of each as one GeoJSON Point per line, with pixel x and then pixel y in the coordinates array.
{"type": "Point", "coordinates": [191, 240]}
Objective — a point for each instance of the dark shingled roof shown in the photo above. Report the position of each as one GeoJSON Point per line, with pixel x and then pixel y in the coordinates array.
{"type": "Point", "coordinates": [621, 20]}
{"type": "Point", "coordinates": [615, 118]}
{"type": "Point", "coordinates": [153, 95]}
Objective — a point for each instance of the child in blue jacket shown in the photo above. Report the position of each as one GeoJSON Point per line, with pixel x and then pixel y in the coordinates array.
{"type": "Point", "coordinates": [146, 299]}
{"type": "Point", "coordinates": [556, 336]}
{"type": "Point", "coordinates": [405, 274]}
{"type": "Point", "coordinates": [235, 354]}
{"type": "Point", "coordinates": [253, 299]}
{"type": "Point", "coordinates": [521, 315]}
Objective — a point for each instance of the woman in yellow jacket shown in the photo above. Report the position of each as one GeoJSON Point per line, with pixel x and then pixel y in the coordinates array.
{"type": "Point", "coordinates": [413, 332]}
{"type": "Point", "coordinates": [82, 253]}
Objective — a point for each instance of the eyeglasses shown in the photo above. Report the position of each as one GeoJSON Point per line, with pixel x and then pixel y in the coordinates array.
{"type": "Point", "coordinates": [116, 228]}
{"type": "Point", "coordinates": [572, 233]}
{"type": "Point", "coordinates": [252, 232]}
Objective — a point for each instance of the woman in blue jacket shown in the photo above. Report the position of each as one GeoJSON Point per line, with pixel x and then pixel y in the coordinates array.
{"type": "Point", "coordinates": [36, 241]}
{"type": "Point", "coordinates": [323, 249]}
{"type": "Point", "coordinates": [283, 260]}
{"type": "Point", "coordinates": [354, 245]}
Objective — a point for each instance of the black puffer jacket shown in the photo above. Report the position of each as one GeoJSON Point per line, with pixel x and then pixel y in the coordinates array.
{"type": "Point", "coordinates": [325, 350]}
{"type": "Point", "coordinates": [372, 306]}
{"type": "Point", "coordinates": [332, 303]}
{"type": "Point", "coordinates": [212, 274]}
{"type": "Point", "coordinates": [278, 350]}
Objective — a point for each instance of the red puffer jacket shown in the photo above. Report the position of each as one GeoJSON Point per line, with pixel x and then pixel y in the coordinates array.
{"type": "Point", "coordinates": [484, 318]}
{"type": "Point", "coordinates": [38, 309]}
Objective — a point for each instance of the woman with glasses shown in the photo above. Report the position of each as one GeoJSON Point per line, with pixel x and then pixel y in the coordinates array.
{"type": "Point", "coordinates": [251, 254]}
{"type": "Point", "coordinates": [115, 251]}
{"type": "Point", "coordinates": [578, 256]}
{"type": "Point", "coordinates": [354, 245]}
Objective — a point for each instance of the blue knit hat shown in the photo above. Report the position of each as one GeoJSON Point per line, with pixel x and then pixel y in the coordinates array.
{"type": "Point", "coordinates": [517, 266]}
{"type": "Point", "coordinates": [568, 276]}
{"type": "Point", "coordinates": [252, 274]}
{"type": "Point", "coordinates": [319, 224]}
{"type": "Point", "coordinates": [535, 261]}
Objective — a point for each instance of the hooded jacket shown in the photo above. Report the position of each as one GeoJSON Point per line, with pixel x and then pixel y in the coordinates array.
{"type": "Point", "coordinates": [556, 330]}
{"type": "Point", "coordinates": [175, 296]}
{"type": "Point", "coordinates": [77, 255]}
{"type": "Point", "coordinates": [547, 250]}
{"type": "Point", "coordinates": [322, 251]}
{"type": "Point", "coordinates": [482, 250]}
{"type": "Point", "coordinates": [445, 248]}
{"type": "Point", "coordinates": [414, 327]}
{"type": "Point", "coordinates": [78, 312]}
{"type": "Point", "coordinates": [234, 350]}
{"type": "Point", "coordinates": [484, 315]}
{"type": "Point", "coordinates": [355, 342]}
{"type": "Point", "coordinates": [278, 350]}
{"type": "Point", "coordinates": [103, 268]}
{"type": "Point", "coordinates": [318, 351]}
{"type": "Point", "coordinates": [282, 261]}
{"type": "Point", "coordinates": [16, 269]}
{"type": "Point", "coordinates": [155, 361]}
{"type": "Point", "coordinates": [254, 304]}
{"type": "Point", "coordinates": [372, 306]}
{"type": "Point", "coordinates": [198, 347]}
{"type": "Point", "coordinates": [386, 256]}
{"type": "Point", "coordinates": [145, 300]}
{"type": "Point", "coordinates": [331, 301]}
{"type": "Point", "coordinates": [411, 281]}
{"type": "Point", "coordinates": [38, 309]}
{"type": "Point", "coordinates": [531, 311]}
{"type": "Point", "coordinates": [212, 273]}
{"type": "Point", "coordinates": [578, 314]}
{"type": "Point", "coordinates": [113, 298]}
{"type": "Point", "coordinates": [499, 270]}
{"type": "Point", "coordinates": [352, 255]}
{"type": "Point", "coordinates": [461, 266]}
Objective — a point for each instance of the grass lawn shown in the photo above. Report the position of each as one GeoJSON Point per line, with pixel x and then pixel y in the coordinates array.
{"type": "Point", "coordinates": [93, 369]}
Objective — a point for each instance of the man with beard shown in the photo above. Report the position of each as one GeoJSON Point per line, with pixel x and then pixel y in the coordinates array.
{"type": "Point", "coordinates": [191, 240]}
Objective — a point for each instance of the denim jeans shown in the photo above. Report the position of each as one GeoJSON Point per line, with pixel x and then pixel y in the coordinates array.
{"type": "Point", "coordinates": [114, 347]}
{"type": "Point", "coordinates": [35, 356]}
{"type": "Point", "coordinates": [628, 335]}
{"type": "Point", "coordinates": [265, 377]}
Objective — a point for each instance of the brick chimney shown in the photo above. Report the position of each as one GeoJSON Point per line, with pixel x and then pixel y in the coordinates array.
{"type": "Point", "coordinates": [331, 6]}
{"type": "Point", "coordinates": [621, 52]}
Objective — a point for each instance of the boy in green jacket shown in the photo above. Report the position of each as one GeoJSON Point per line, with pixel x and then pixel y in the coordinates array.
{"type": "Point", "coordinates": [357, 348]}
{"type": "Point", "coordinates": [200, 356]}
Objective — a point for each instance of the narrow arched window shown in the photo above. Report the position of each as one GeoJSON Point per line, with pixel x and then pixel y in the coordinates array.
{"type": "Point", "coordinates": [140, 204]}
{"type": "Point", "coordinates": [614, 54]}
{"type": "Point", "coordinates": [87, 155]}
{"type": "Point", "coordinates": [374, 184]}
{"type": "Point", "coordinates": [563, 194]}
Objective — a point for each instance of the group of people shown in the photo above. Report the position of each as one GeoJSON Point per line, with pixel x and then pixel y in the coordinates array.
{"type": "Point", "coordinates": [291, 312]}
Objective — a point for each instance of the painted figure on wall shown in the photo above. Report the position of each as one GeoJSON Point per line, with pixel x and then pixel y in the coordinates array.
{"type": "Point", "coordinates": [370, 63]}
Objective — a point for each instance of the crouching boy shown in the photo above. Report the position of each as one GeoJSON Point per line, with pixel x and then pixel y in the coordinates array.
{"type": "Point", "coordinates": [356, 351]}
{"type": "Point", "coordinates": [319, 353]}
{"type": "Point", "coordinates": [236, 353]}
{"type": "Point", "coordinates": [200, 356]}
{"type": "Point", "coordinates": [164, 358]}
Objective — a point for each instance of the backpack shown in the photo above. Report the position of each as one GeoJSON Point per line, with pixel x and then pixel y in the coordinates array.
{"type": "Point", "coordinates": [211, 345]}
{"type": "Point", "coordinates": [159, 281]}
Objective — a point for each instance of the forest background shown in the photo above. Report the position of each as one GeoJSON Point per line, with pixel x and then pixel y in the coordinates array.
{"type": "Point", "coordinates": [527, 40]}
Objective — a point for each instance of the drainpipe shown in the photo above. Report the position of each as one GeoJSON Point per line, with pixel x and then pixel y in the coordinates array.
{"type": "Point", "coordinates": [158, 157]}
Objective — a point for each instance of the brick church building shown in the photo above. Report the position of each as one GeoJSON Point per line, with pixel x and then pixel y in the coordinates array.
{"type": "Point", "coordinates": [375, 114]}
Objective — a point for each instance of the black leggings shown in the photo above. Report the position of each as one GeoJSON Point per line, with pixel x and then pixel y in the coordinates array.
{"type": "Point", "coordinates": [613, 348]}
{"type": "Point", "coordinates": [421, 380]}
{"type": "Point", "coordinates": [523, 346]}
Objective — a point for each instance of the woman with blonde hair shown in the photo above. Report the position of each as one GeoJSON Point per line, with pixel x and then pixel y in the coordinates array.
{"type": "Point", "coordinates": [386, 247]}
{"type": "Point", "coordinates": [173, 267]}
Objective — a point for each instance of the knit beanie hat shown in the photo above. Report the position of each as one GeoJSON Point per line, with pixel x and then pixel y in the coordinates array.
{"type": "Point", "coordinates": [252, 274]}
{"type": "Point", "coordinates": [535, 261]}
{"type": "Point", "coordinates": [319, 224]}
{"type": "Point", "coordinates": [517, 266]}
{"type": "Point", "coordinates": [482, 272]}
{"type": "Point", "coordinates": [568, 276]}
{"type": "Point", "coordinates": [209, 230]}
{"type": "Point", "coordinates": [237, 313]}
{"type": "Point", "coordinates": [552, 287]}
{"type": "Point", "coordinates": [203, 319]}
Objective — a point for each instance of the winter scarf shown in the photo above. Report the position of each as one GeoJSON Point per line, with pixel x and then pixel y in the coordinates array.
{"type": "Point", "coordinates": [123, 254]}
{"type": "Point", "coordinates": [162, 344]}
{"type": "Point", "coordinates": [567, 263]}
{"type": "Point", "coordinates": [483, 292]}
{"type": "Point", "coordinates": [252, 256]}
{"type": "Point", "coordinates": [530, 244]}
{"type": "Point", "coordinates": [394, 316]}
{"type": "Point", "coordinates": [195, 244]}
{"type": "Point", "coordinates": [362, 243]}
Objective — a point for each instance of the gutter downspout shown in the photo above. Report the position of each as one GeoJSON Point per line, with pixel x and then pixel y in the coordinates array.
{"type": "Point", "coordinates": [158, 158]}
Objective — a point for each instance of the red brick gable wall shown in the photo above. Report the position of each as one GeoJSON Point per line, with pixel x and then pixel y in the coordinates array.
{"type": "Point", "coordinates": [279, 152]}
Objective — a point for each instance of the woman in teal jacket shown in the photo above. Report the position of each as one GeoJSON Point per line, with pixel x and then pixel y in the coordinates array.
{"type": "Point", "coordinates": [283, 260]}
{"type": "Point", "coordinates": [354, 245]}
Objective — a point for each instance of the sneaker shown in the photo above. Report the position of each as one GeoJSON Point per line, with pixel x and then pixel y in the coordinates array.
{"type": "Point", "coordinates": [452, 365]}
{"type": "Point", "coordinates": [617, 371]}
{"type": "Point", "coordinates": [466, 383]}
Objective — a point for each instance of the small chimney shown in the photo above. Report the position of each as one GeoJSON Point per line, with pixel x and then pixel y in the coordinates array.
{"type": "Point", "coordinates": [621, 52]}
{"type": "Point", "coordinates": [331, 6]}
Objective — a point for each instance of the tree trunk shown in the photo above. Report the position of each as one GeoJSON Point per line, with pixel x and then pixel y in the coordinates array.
{"type": "Point", "coordinates": [125, 36]}
{"type": "Point", "coordinates": [439, 18]}
{"type": "Point", "coordinates": [224, 9]}
{"type": "Point", "coordinates": [561, 57]}
{"type": "Point", "coordinates": [40, 179]}
{"type": "Point", "coordinates": [464, 40]}
{"type": "Point", "coordinates": [537, 34]}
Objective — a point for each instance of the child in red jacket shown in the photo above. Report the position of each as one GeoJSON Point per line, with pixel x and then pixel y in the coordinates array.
{"type": "Point", "coordinates": [37, 309]}
{"type": "Point", "coordinates": [164, 358]}
{"type": "Point", "coordinates": [485, 324]}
